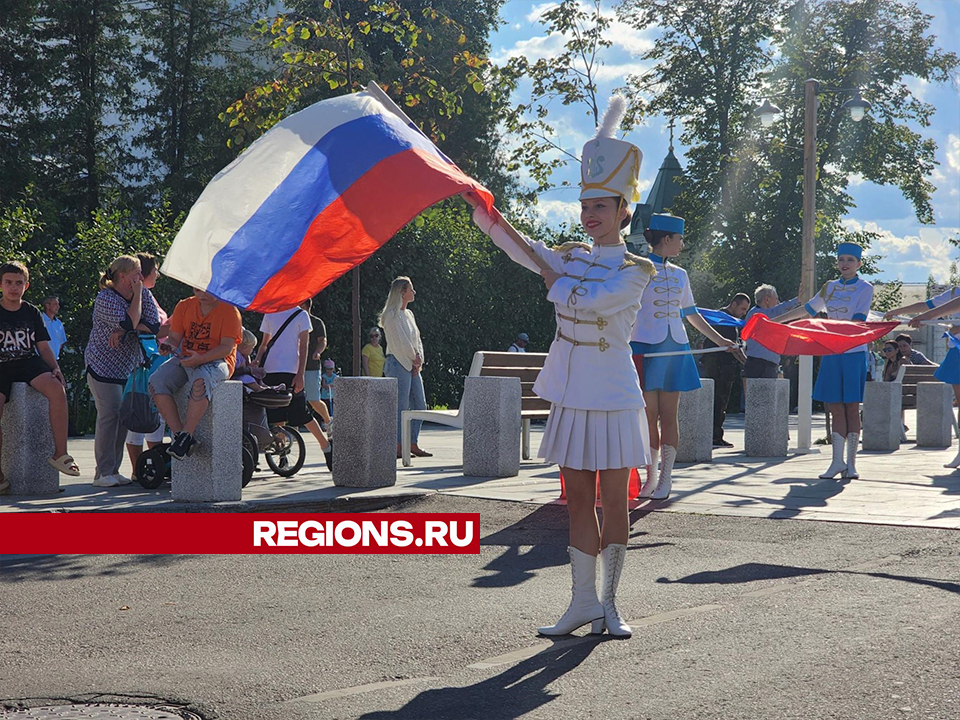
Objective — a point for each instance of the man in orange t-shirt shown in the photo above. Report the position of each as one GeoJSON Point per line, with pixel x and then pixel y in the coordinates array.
{"type": "Point", "coordinates": [204, 333]}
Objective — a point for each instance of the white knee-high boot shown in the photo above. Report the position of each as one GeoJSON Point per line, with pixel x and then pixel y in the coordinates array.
{"type": "Point", "coordinates": [853, 441]}
{"type": "Point", "coordinates": [665, 483]}
{"type": "Point", "coordinates": [612, 558]}
{"type": "Point", "coordinates": [653, 476]}
{"type": "Point", "coordinates": [584, 606]}
{"type": "Point", "coordinates": [838, 465]}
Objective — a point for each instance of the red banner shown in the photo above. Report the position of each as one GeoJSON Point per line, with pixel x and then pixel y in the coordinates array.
{"type": "Point", "coordinates": [814, 336]}
{"type": "Point", "coordinates": [239, 534]}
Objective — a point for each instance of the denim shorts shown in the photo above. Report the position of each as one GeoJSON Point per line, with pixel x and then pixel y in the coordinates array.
{"type": "Point", "coordinates": [171, 376]}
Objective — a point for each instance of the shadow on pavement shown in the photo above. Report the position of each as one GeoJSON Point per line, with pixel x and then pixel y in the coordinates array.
{"type": "Point", "coordinates": [16, 568]}
{"type": "Point", "coordinates": [752, 572]}
{"type": "Point", "coordinates": [544, 535]}
{"type": "Point", "coordinates": [519, 690]}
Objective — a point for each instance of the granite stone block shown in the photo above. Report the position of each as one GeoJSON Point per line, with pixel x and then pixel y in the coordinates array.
{"type": "Point", "coordinates": [214, 472]}
{"type": "Point", "coordinates": [934, 410]}
{"type": "Point", "coordinates": [364, 448]}
{"type": "Point", "coordinates": [882, 427]}
{"type": "Point", "coordinates": [695, 418]}
{"type": "Point", "coordinates": [766, 422]}
{"type": "Point", "coordinates": [491, 426]}
{"type": "Point", "coordinates": [27, 443]}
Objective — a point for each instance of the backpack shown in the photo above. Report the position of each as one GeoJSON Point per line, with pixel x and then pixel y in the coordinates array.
{"type": "Point", "coordinates": [137, 412]}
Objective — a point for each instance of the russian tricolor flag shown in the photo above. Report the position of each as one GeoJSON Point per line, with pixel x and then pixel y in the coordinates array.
{"type": "Point", "coordinates": [314, 197]}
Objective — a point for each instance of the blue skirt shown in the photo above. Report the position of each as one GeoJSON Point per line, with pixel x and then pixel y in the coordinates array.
{"type": "Point", "coordinates": [949, 370]}
{"type": "Point", "coordinates": [676, 373]}
{"type": "Point", "coordinates": [841, 378]}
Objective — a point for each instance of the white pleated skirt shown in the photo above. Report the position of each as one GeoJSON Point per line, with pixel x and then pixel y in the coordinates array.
{"type": "Point", "coordinates": [596, 439]}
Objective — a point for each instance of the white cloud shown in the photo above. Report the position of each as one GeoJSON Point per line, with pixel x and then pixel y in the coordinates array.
{"type": "Point", "coordinates": [910, 257]}
{"type": "Point", "coordinates": [554, 212]}
{"type": "Point", "coordinates": [917, 86]}
{"type": "Point", "coordinates": [953, 152]}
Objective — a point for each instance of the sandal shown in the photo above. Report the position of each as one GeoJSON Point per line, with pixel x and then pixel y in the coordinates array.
{"type": "Point", "coordinates": [65, 464]}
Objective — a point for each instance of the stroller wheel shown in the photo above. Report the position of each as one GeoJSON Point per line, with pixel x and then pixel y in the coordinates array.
{"type": "Point", "coordinates": [251, 445]}
{"type": "Point", "coordinates": [249, 464]}
{"type": "Point", "coordinates": [286, 453]}
{"type": "Point", "coordinates": [153, 467]}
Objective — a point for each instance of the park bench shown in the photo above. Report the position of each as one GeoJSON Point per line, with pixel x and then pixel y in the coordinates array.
{"type": "Point", "coordinates": [525, 366]}
{"type": "Point", "coordinates": [909, 376]}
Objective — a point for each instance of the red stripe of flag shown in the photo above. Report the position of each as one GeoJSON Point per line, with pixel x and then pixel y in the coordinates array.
{"type": "Point", "coordinates": [361, 221]}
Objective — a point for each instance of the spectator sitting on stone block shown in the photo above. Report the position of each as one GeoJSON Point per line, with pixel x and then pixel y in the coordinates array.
{"type": "Point", "coordinates": [25, 356]}
{"type": "Point", "coordinates": [204, 333]}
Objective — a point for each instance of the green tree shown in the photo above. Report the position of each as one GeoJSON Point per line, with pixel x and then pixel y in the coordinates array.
{"type": "Point", "coordinates": [194, 58]}
{"type": "Point", "coordinates": [743, 185]}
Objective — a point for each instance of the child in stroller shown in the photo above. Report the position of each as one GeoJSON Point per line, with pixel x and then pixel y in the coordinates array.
{"type": "Point", "coordinates": [282, 446]}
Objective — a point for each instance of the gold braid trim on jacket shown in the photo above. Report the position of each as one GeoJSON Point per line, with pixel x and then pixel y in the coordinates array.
{"type": "Point", "coordinates": [631, 260]}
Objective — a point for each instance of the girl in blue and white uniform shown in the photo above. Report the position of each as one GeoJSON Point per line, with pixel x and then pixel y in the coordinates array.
{"type": "Point", "coordinates": [842, 378]}
{"type": "Point", "coordinates": [666, 302]}
{"type": "Point", "coordinates": [946, 303]}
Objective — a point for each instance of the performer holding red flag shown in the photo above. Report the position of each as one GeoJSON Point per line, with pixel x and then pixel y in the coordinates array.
{"type": "Point", "coordinates": [596, 425]}
{"type": "Point", "coordinates": [841, 380]}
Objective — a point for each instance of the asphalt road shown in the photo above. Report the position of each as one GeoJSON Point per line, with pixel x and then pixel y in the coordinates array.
{"type": "Point", "coordinates": [733, 618]}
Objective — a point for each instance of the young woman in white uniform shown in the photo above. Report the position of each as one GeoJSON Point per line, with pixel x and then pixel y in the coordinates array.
{"type": "Point", "coordinates": [597, 424]}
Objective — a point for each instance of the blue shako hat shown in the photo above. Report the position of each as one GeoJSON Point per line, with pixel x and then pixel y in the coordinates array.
{"type": "Point", "coordinates": [667, 223]}
{"type": "Point", "coordinates": [850, 249]}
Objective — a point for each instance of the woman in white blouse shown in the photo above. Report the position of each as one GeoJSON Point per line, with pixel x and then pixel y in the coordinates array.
{"type": "Point", "coordinates": [404, 357]}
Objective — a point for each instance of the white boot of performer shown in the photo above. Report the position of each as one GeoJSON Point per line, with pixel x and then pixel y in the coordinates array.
{"type": "Point", "coordinates": [853, 441]}
{"type": "Point", "coordinates": [650, 486]}
{"type": "Point", "coordinates": [584, 606]}
{"type": "Point", "coordinates": [955, 463]}
{"type": "Point", "coordinates": [612, 558]}
{"type": "Point", "coordinates": [838, 465]}
{"type": "Point", "coordinates": [666, 471]}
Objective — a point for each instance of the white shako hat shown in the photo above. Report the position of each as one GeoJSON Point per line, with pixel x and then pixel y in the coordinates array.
{"type": "Point", "coordinates": [610, 167]}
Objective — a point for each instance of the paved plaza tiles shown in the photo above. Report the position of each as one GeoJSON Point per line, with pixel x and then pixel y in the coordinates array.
{"type": "Point", "coordinates": [907, 487]}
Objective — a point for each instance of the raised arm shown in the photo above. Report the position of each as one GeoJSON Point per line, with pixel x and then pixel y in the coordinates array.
{"type": "Point", "coordinates": [937, 312]}
{"type": "Point", "coordinates": [535, 256]}
{"type": "Point", "coordinates": [907, 310]}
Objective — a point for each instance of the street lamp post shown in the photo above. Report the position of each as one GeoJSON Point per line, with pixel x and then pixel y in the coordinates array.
{"type": "Point", "coordinates": [808, 271]}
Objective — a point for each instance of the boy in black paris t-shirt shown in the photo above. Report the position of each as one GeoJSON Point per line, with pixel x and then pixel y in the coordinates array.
{"type": "Point", "coordinates": [25, 356]}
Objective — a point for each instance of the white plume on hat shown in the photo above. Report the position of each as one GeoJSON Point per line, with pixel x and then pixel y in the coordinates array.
{"type": "Point", "coordinates": [612, 117]}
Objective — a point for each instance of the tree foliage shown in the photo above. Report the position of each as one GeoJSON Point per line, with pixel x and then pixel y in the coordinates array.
{"type": "Point", "coordinates": [569, 77]}
{"type": "Point", "coordinates": [743, 191]}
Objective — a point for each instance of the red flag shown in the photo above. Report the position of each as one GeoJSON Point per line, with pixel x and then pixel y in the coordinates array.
{"type": "Point", "coordinates": [814, 336]}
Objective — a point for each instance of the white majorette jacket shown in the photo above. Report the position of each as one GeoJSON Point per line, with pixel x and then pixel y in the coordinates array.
{"type": "Point", "coordinates": [595, 302]}
{"type": "Point", "coordinates": [843, 300]}
{"type": "Point", "coordinates": [665, 302]}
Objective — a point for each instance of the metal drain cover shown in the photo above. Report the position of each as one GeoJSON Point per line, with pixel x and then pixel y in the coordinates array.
{"type": "Point", "coordinates": [93, 711]}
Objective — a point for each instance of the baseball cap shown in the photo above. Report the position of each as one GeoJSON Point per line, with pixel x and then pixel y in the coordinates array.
{"type": "Point", "coordinates": [523, 336]}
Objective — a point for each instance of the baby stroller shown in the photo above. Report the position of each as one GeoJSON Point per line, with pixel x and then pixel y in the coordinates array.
{"type": "Point", "coordinates": [282, 446]}
{"type": "Point", "coordinates": [153, 467]}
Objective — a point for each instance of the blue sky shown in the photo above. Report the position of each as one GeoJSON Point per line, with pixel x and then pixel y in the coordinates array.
{"type": "Point", "coordinates": [911, 251]}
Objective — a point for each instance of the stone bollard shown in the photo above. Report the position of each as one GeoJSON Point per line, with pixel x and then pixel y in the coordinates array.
{"type": "Point", "coordinates": [214, 472]}
{"type": "Point", "coordinates": [934, 411]}
{"type": "Point", "coordinates": [491, 426]}
{"type": "Point", "coordinates": [364, 449]}
{"type": "Point", "coordinates": [695, 418]}
{"type": "Point", "coordinates": [882, 426]}
{"type": "Point", "coordinates": [27, 443]}
{"type": "Point", "coordinates": [767, 420]}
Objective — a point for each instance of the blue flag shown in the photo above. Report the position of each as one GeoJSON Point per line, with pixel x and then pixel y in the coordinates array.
{"type": "Point", "coordinates": [719, 317]}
